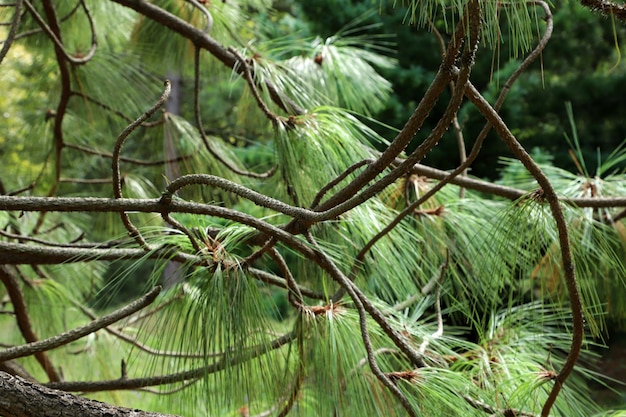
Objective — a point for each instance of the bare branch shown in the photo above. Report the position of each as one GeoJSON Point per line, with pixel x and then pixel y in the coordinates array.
{"type": "Point", "coordinates": [74, 334]}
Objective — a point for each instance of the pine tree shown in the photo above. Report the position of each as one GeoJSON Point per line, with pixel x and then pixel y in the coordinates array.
{"type": "Point", "coordinates": [284, 257]}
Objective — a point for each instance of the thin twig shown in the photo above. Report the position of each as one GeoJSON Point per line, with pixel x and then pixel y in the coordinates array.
{"type": "Point", "coordinates": [15, 23]}
{"type": "Point", "coordinates": [184, 386]}
{"type": "Point", "coordinates": [358, 300]}
{"type": "Point", "coordinates": [272, 279]}
{"type": "Point", "coordinates": [91, 181]}
{"type": "Point", "coordinates": [133, 341]}
{"type": "Point", "coordinates": [300, 372]}
{"type": "Point", "coordinates": [112, 110]}
{"type": "Point", "coordinates": [203, 136]}
{"type": "Point", "coordinates": [126, 159]}
{"type": "Point", "coordinates": [245, 68]}
{"type": "Point", "coordinates": [207, 15]}
{"type": "Point", "coordinates": [178, 225]}
{"type": "Point", "coordinates": [136, 383]}
{"type": "Point", "coordinates": [292, 285]}
{"type": "Point", "coordinates": [322, 192]}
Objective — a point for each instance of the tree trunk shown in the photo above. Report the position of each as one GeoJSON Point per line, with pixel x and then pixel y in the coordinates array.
{"type": "Point", "coordinates": [21, 398]}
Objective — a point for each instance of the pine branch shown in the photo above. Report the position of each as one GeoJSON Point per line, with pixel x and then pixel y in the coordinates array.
{"type": "Point", "coordinates": [64, 338]}
{"type": "Point", "coordinates": [23, 398]}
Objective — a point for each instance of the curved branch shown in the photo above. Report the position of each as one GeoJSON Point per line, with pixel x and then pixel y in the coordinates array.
{"type": "Point", "coordinates": [204, 41]}
{"type": "Point", "coordinates": [322, 192]}
{"type": "Point", "coordinates": [115, 166]}
{"type": "Point", "coordinates": [450, 178]}
{"type": "Point", "coordinates": [272, 279]}
{"type": "Point", "coordinates": [292, 285]}
{"type": "Point", "coordinates": [64, 99]}
{"type": "Point", "coordinates": [255, 197]}
{"type": "Point", "coordinates": [355, 292]}
{"type": "Point", "coordinates": [413, 124]}
{"type": "Point", "coordinates": [566, 255]}
{"type": "Point", "coordinates": [126, 159]}
{"type": "Point", "coordinates": [358, 300]}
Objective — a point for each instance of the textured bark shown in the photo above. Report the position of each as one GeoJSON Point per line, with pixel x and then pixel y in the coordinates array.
{"type": "Point", "coordinates": [20, 398]}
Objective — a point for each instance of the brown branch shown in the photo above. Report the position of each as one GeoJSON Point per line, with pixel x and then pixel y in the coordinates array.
{"type": "Point", "coordinates": [133, 341]}
{"type": "Point", "coordinates": [115, 166]}
{"type": "Point", "coordinates": [72, 244]}
{"type": "Point", "coordinates": [458, 130]}
{"type": "Point", "coordinates": [402, 139]}
{"type": "Point", "coordinates": [272, 279]}
{"type": "Point", "coordinates": [452, 177]}
{"type": "Point", "coordinates": [92, 181]}
{"type": "Point", "coordinates": [23, 322]}
{"type": "Point", "coordinates": [203, 40]}
{"type": "Point", "coordinates": [37, 347]}
{"type": "Point", "coordinates": [247, 74]}
{"type": "Point", "coordinates": [566, 255]}
{"type": "Point", "coordinates": [103, 106]}
{"type": "Point", "coordinates": [606, 8]}
{"type": "Point", "coordinates": [22, 398]}
{"type": "Point", "coordinates": [292, 285]}
{"type": "Point", "coordinates": [15, 23]}
{"type": "Point", "coordinates": [322, 192]}
{"type": "Point", "coordinates": [55, 29]}
{"type": "Point", "coordinates": [364, 306]}
{"type": "Point", "coordinates": [431, 141]}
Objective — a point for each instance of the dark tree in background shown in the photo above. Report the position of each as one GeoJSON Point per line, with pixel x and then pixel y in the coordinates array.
{"type": "Point", "coordinates": [267, 236]}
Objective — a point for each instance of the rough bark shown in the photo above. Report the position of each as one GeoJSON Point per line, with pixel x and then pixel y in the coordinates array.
{"type": "Point", "coordinates": [21, 398]}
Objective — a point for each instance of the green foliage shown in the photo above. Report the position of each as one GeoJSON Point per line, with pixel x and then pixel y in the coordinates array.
{"type": "Point", "coordinates": [270, 312]}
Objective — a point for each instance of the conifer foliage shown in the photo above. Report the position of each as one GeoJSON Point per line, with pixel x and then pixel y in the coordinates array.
{"type": "Point", "coordinates": [199, 216]}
